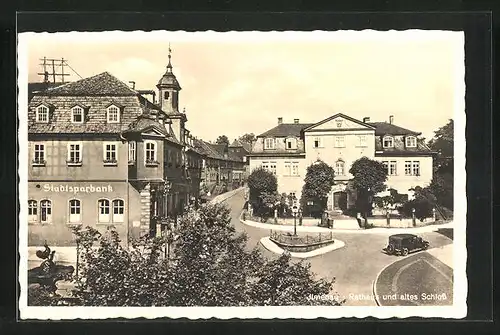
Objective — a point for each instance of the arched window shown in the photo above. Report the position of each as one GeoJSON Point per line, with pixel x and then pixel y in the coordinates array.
{"type": "Point", "coordinates": [32, 211]}
{"type": "Point", "coordinates": [42, 114]}
{"type": "Point", "coordinates": [113, 114]}
{"type": "Point", "coordinates": [45, 211]}
{"type": "Point", "coordinates": [388, 142]}
{"type": "Point", "coordinates": [339, 168]}
{"type": "Point", "coordinates": [75, 211]}
{"type": "Point", "coordinates": [77, 114]}
{"type": "Point", "coordinates": [166, 95]}
{"type": "Point", "coordinates": [103, 213]}
{"type": "Point", "coordinates": [118, 210]}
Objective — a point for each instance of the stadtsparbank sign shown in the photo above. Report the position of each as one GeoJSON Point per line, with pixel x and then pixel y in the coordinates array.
{"type": "Point", "coordinates": [77, 189]}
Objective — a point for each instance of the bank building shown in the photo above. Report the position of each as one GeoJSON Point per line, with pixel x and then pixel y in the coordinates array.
{"type": "Point", "coordinates": [102, 153]}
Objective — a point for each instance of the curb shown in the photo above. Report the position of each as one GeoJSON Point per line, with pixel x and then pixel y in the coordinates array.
{"type": "Point", "coordinates": [267, 243]}
{"type": "Point", "coordinates": [215, 200]}
{"type": "Point", "coordinates": [315, 229]}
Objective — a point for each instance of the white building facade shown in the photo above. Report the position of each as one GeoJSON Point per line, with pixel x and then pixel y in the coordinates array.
{"type": "Point", "coordinates": [289, 148]}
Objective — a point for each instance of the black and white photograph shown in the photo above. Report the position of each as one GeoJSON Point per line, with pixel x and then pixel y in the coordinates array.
{"type": "Point", "coordinates": [242, 174]}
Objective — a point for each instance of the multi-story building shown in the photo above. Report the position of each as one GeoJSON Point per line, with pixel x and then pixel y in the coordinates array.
{"type": "Point", "coordinates": [101, 154]}
{"type": "Point", "coordinates": [220, 166]}
{"type": "Point", "coordinates": [241, 150]}
{"type": "Point", "coordinates": [289, 148]}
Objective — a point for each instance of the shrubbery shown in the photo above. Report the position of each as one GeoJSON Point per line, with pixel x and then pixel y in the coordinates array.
{"type": "Point", "coordinates": [210, 266]}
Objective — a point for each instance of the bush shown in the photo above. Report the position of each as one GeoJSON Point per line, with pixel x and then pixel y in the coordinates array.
{"type": "Point", "coordinates": [211, 267]}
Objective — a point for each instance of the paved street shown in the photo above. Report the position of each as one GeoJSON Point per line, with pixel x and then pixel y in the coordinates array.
{"type": "Point", "coordinates": [355, 266]}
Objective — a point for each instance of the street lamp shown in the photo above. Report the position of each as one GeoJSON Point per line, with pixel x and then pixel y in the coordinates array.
{"type": "Point", "coordinates": [295, 209]}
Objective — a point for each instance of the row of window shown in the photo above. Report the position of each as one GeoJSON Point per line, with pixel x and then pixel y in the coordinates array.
{"type": "Point", "coordinates": [110, 154]}
{"type": "Point", "coordinates": [78, 114]}
{"type": "Point", "coordinates": [108, 211]}
{"type": "Point", "coordinates": [339, 142]}
{"type": "Point", "coordinates": [412, 168]}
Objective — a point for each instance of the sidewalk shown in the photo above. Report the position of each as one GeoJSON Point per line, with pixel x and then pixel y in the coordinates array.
{"type": "Point", "coordinates": [316, 229]}
{"type": "Point", "coordinates": [444, 254]}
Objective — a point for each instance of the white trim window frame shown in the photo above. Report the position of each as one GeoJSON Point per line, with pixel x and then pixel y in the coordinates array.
{"type": "Point", "coordinates": [317, 142]}
{"type": "Point", "coordinates": [42, 114]}
{"type": "Point", "coordinates": [77, 115]}
{"type": "Point", "coordinates": [339, 141]}
{"type": "Point", "coordinates": [269, 143]}
{"type": "Point", "coordinates": [75, 211]}
{"type": "Point", "coordinates": [408, 168]}
{"type": "Point", "coordinates": [118, 210]}
{"type": "Point", "coordinates": [113, 114]}
{"type": "Point", "coordinates": [150, 153]}
{"type": "Point", "coordinates": [393, 168]}
{"type": "Point", "coordinates": [38, 154]}
{"type": "Point", "coordinates": [132, 151]}
{"type": "Point", "coordinates": [103, 211]}
{"type": "Point", "coordinates": [45, 211]}
{"type": "Point", "coordinates": [32, 211]}
{"type": "Point", "coordinates": [411, 142]}
{"type": "Point", "coordinates": [272, 167]}
{"type": "Point", "coordinates": [110, 153]}
{"type": "Point", "coordinates": [291, 143]}
{"type": "Point", "coordinates": [75, 153]}
{"type": "Point", "coordinates": [362, 141]}
{"type": "Point", "coordinates": [288, 169]}
{"type": "Point", "coordinates": [295, 169]}
{"type": "Point", "coordinates": [340, 168]}
{"type": "Point", "coordinates": [415, 168]}
{"type": "Point", "coordinates": [388, 141]}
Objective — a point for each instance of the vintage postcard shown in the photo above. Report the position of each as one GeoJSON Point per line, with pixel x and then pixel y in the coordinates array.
{"type": "Point", "coordinates": [242, 174]}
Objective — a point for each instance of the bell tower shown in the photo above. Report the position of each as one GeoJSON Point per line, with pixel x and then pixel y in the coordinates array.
{"type": "Point", "coordinates": [169, 88]}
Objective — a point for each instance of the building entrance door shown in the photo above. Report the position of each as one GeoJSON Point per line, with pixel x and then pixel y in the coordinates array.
{"type": "Point", "coordinates": [340, 200]}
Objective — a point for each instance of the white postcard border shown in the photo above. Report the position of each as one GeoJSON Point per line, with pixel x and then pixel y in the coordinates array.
{"type": "Point", "coordinates": [457, 310]}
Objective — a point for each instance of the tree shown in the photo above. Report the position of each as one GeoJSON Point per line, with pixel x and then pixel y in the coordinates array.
{"type": "Point", "coordinates": [247, 138]}
{"type": "Point", "coordinates": [442, 143]}
{"type": "Point", "coordinates": [211, 266]}
{"type": "Point", "coordinates": [423, 203]}
{"type": "Point", "coordinates": [390, 201]}
{"type": "Point", "coordinates": [317, 184]}
{"type": "Point", "coordinates": [222, 139]}
{"type": "Point", "coordinates": [263, 187]}
{"type": "Point", "coordinates": [442, 183]}
{"type": "Point", "coordinates": [369, 177]}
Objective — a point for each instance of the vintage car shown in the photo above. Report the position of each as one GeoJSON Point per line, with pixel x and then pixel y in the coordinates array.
{"type": "Point", "coordinates": [403, 244]}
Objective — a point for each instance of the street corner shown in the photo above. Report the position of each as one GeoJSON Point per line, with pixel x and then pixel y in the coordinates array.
{"type": "Point", "coordinates": [417, 280]}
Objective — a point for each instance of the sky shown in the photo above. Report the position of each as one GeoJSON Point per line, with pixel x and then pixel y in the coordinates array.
{"type": "Point", "coordinates": [237, 83]}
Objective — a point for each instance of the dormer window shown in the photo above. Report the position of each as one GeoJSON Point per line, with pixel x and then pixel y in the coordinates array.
{"type": "Point", "coordinates": [411, 142]}
{"type": "Point", "coordinates": [113, 114]}
{"type": "Point", "coordinates": [77, 114]}
{"type": "Point", "coordinates": [291, 143]}
{"type": "Point", "coordinates": [269, 143]}
{"type": "Point", "coordinates": [42, 114]}
{"type": "Point", "coordinates": [388, 142]}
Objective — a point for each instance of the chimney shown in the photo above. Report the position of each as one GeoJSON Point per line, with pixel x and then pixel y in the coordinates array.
{"type": "Point", "coordinates": [132, 84]}
{"type": "Point", "coordinates": [280, 120]}
{"type": "Point", "coordinates": [391, 119]}
{"type": "Point", "coordinates": [366, 119]}
{"type": "Point", "coordinates": [295, 120]}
